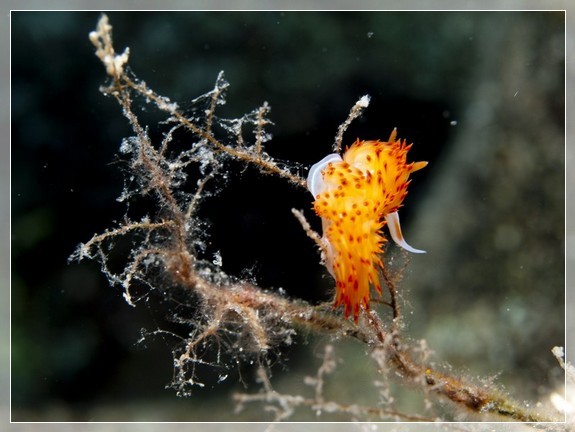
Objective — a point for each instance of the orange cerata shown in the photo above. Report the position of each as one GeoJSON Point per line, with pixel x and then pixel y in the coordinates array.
{"type": "Point", "coordinates": [356, 196]}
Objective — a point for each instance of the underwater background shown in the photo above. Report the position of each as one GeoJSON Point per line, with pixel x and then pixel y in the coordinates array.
{"type": "Point", "coordinates": [481, 96]}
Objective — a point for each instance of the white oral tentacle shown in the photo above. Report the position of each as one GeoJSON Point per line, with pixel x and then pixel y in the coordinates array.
{"type": "Point", "coordinates": [392, 220]}
{"type": "Point", "coordinates": [315, 182]}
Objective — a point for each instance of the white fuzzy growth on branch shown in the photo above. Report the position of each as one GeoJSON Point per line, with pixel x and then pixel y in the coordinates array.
{"type": "Point", "coordinates": [101, 38]}
{"type": "Point", "coordinates": [363, 102]}
{"type": "Point", "coordinates": [355, 112]}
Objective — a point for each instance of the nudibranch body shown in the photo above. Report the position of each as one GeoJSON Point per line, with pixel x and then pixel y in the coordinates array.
{"type": "Point", "coordinates": [356, 196]}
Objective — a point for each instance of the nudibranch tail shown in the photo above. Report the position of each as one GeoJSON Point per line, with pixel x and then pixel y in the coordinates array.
{"type": "Point", "coordinates": [392, 220]}
{"type": "Point", "coordinates": [356, 195]}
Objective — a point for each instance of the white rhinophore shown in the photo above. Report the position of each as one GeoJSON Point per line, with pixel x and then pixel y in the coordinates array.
{"type": "Point", "coordinates": [315, 182]}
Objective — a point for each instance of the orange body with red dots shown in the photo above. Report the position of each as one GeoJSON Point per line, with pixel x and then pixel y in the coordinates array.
{"type": "Point", "coordinates": [355, 196]}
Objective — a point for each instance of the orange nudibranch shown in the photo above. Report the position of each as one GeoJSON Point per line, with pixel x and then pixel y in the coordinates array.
{"type": "Point", "coordinates": [356, 196]}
